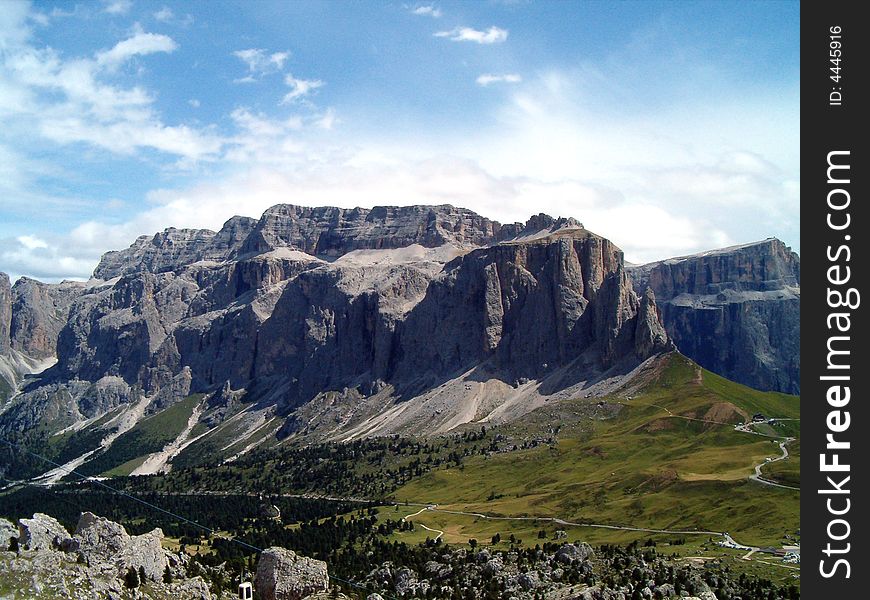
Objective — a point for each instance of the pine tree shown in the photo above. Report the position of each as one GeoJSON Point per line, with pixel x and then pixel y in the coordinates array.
{"type": "Point", "coordinates": [131, 579]}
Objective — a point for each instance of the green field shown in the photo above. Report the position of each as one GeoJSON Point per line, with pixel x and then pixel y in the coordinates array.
{"type": "Point", "coordinates": [671, 459]}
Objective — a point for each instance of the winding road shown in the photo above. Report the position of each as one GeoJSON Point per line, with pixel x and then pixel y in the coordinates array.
{"type": "Point", "coordinates": [761, 479]}
{"type": "Point", "coordinates": [425, 508]}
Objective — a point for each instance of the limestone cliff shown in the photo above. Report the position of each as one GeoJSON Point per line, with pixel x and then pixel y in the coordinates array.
{"type": "Point", "coordinates": [5, 312]}
{"type": "Point", "coordinates": [736, 311]}
{"type": "Point", "coordinates": [389, 302]}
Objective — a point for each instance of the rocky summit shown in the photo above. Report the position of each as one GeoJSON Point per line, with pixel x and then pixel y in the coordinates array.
{"type": "Point", "coordinates": [328, 323]}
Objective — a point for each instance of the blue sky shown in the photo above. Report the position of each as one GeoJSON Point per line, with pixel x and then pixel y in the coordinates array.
{"type": "Point", "coordinates": [668, 127]}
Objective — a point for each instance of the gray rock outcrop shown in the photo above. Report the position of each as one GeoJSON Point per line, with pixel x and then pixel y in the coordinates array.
{"type": "Point", "coordinates": [284, 575]}
{"type": "Point", "coordinates": [328, 315]}
{"type": "Point", "coordinates": [41, 533]}
{"type": "Point", "coordinates": [174, 248]}
{"type": "Point", "coordinates": [569, 553]}
{"type": "Point", "coordinates": [734, 311]}
{"type": "Point", "coordinates": [8, 532]}
{"type": "Point", "coordinates": [99, 540]}
{"type": "Point", "coordinates": [93, 562]}
{"type": "Point", "coordinates": [359, 302]}
{"type": "Point", "coordinates": [39, 312]}
{"type": "Point", "coordinates": [5, 313]}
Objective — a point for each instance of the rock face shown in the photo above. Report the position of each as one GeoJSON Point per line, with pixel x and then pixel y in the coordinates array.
{"type": "Point", "coordinates": [735, 311]}
{"type": "Point", "coordinates": [324, 231]}
{"type": "Point", "coordinates": [93, 562]}
{"type": "Point", "coordinates": [284, 575]}
{"type": "Point", "coordinates": [5, 313]}
{"type": "Point", "coordinates": [8, 532]}
{"type": "Point", "coordinates": [174, 248]}
{"type": "Point", "coordinates": [380, 303]}
{"type": "Point", "coordinates": [31, 317]}
{"type": "Point", "coordinates": [98, 540]}
{"type": "Point", "coordinates": [39, 312]}
{"type": "Point", "coordinates": [41, 533]}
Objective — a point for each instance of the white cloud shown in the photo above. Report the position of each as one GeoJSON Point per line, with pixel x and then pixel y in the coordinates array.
{"type": "Point", "coordinates": [46, 260]}
{"type": "Point", "coordinates": [493, 35]}
{"type": "Point", "coordinates": [260, 62]}
{"type": "Point", "coordinates": [31, 242]}
{"type": "Point", "coordinates": [40, 18]}
{"type": "Point", "coordinates": [73, 100]}
{"type": "Point", "coordinates": [299, 88]}
{"type": "Point", "coordinates": [118, 7]}
{"type": "Point", "coordinates": [140, 44]}
{"type": "Point", "coordinates": [164, 15]}
{"type": "Point", "coordinates": [427, 10]}
{"type": "Point", "coordinates": [369, 178]}
{"type": "Point", "coordinates": [327, 120]}
{"type": "Point", "coordinates": [13, 24]}
{"type": "Point", "coordinates": [488, 79]}
{"type": "Point", "coordinates": [194, 102]}
{"type": "Point", "coordinates": [125, 137]}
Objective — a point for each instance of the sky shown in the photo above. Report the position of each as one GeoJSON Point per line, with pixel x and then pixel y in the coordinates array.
{"type": "Point", "coordinates": [667, 127]}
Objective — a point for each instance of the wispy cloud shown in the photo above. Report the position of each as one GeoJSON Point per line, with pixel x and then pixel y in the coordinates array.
{"type": "Point", "coordinates": [299, 88]}
{"type": "Point", "coordinates": [118, 7]}
{"type": "Point", "coordinates": [488, 79]}
{"type": "Point", "coordinates": [427, 10]}
{"type": "Point", "coordinates": [75, 100]}
{"type": "Point", "coordinates": [139, 45]}
{"type": "Point", "coordinates": [493, 35]}
{"type": "Point", "coordinates": [260, 63]}
{"type": "Point", "coordinates": [164, 15]}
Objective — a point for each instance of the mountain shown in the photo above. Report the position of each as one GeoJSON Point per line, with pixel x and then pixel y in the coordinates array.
{"type": "Point", "coordinates": [32, 314]}
{"type": "Point", "coordinates": [736, 311]}
{"type": "Point", "coordinates": [331, 324]}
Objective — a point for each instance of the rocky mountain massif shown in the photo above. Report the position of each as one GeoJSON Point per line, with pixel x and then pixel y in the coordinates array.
{"type": "Point", "coordinates": [328, 323]}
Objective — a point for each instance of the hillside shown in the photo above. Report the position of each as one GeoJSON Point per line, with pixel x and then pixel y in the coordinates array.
{"type": "Point", "coordinates": [670, 459]}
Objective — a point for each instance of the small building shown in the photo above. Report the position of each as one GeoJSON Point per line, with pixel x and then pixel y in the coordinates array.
{"type": "Point", "coordinates": [758, 417]}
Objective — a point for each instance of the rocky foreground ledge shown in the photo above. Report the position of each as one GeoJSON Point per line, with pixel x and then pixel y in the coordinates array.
{"type": "Point", "coordinates": [40, 559]}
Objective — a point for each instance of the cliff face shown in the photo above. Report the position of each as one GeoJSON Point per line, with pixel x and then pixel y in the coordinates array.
{"type": "Point", "coordinates": [318, 325]}
{"type": "Point", "coordinates": [31, 317]}
{"type": "Point", "coordinates": [390, 301]}
{"type": "Point", "coordinates": [39, 312]}
{"type": "Point", "coordinates": [329, 231]}
{"type": "Point", "coordinates": [174, 248]}
{"type": "Point", "coordinates": [5, 312]}
{"type": "Point", "coordinates": [325, 232]}
{"type": "Point", "coordinates": [735, 311]}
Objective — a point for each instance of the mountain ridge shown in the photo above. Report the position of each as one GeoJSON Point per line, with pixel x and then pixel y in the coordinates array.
{"type": "Point", "coordinates": [404, 320]}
